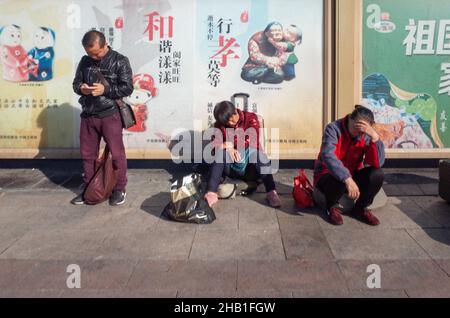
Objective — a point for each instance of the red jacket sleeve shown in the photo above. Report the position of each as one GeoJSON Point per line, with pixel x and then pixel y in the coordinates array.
{"type": "Point", "coordinates": [252, 131]}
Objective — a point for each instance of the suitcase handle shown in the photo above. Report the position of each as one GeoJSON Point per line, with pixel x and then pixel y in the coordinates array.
{"type": "Point", "coordinates": [245, 97]}
{"type": "Point", "coordinates": [240, 94]}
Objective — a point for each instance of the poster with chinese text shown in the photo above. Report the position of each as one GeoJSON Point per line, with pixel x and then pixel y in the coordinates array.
{"type": "Point", "coordinates": [406, 71]}
{"type": "Point", "coordinates": [272, 51]}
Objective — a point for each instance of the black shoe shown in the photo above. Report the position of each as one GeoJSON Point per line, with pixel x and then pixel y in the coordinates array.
{"type": "Point", "coordinates": [117, 197]}
{"type": "Point", "coordinates": [78, 200]}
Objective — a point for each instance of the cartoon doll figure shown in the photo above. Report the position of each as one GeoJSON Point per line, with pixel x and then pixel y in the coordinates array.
{"type": "Point", "coordinates": [144, 91]}
{"type": "Point", "coordinates": [14, 57]}
{"type": "Point", "coordinates": [42, 54]}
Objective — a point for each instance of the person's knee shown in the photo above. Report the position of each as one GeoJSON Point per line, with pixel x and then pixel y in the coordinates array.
{"type": "Point", "coordinates": [220, 156]}
{"type": "Point", "coordinates": [88, 153]}
{"type": "Point", "coordinates": [246, 76]}
{"type": "Point", "coordinates": [376, 176]}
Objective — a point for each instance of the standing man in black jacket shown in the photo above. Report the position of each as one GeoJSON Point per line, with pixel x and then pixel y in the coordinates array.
{"type": "Point", "coordinates": [100, 116]}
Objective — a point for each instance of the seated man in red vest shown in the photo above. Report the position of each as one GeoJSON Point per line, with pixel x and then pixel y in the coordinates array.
{"type": "Point", "coordinates": [350, 162]}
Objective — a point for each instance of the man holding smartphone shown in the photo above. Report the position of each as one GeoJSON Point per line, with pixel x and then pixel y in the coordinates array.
{"type": "Point", "coordinates": [102, 77]}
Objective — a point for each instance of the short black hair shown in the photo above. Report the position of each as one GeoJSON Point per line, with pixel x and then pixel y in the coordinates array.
{"type": "Point", "coordinates": [93, 36]}
{"type": "Point", "coordinates": [223, 112]}
{"type": "Point", "coordinates": [363, 113]}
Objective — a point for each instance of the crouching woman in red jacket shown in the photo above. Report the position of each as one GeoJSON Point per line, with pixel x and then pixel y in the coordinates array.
{"type": "Point", "coordinates": [350, 161]}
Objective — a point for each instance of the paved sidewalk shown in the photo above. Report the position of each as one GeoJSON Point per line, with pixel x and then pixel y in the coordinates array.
{"type": "Point", "coordinates": [251, 250]}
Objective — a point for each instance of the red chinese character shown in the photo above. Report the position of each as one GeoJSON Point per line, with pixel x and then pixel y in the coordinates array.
{"type": "Point", "coordinates": [119, 23]}
{"type": "Point", "coordinates": [156, 23]}
{"type": "Point", "coordinates": [226, 47]}
{"type": "Point", "coordinates": [244, 17]}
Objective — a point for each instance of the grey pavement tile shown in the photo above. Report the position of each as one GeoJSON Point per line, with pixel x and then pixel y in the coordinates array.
{"type": "Point", "coordinates": [57, 244]}
{"type": "Point", "coordinates": [7, 177]}
{"type": "Point", "coordinates": [98, 274]}
{"type": "Point", "coordinates": [230, 244]}
{"type": "Point", "coordinates": [147, 176]}
{"type": "Point", "coordinates": [117, 293]}
{"type": "Point", "coordinates": [261, 244]}
{"type": "Point", "coordinates": [373, 243]}
{"type": "Point", "coordinates": [156, 243]}
{"type": "Point", "coordinates": [75, 182]}
{"type": "Point", "coordinates": [185, 276]}
{"type": "Point", "coordinates": [444, 264]}
{"type": "Point", "coordinates": [411, 175]}
{"type": "Point", "coordinates": [325, 293]}
{"type": "Point", "coordinates": [206, 293]}
{"type": "Point", "coordinates": [396, 274]}
{"type": "Point", "coordinates": [378, 293]}
{"type": "Point", "coordinates": [256, 201]}
{"type": "Point", "coordinates": [53, 180]}
{"type": "Point", "coordinates": [107, 274]}
{"type": "Point", "coordinates": [158, 199]}
{"type": "Point", "coordinates": [288, 209]}
{"type": "Point", "coordinates": [403, 213]}
{"type": "Point", "coordinates": [166, 224]}
{"type": "Point", "coordinates": [13, 271]}
{"type": "Point", "coordinates": [436, 207]}
{"type": "Point", "coordinates": [436, 242]}
{"type": "Point", "coordinates": [148, 188]}
{"type": "Point", "coordinates": [289, 275]}
{"type": "Point", "coordinates": [31, 199]}
{"type": "Point", "coordinates": [429, 292]}
{"type": "Point", "coordinates": [40, 293]}
{"type": "Point", "coordinates": [50, 275]}
{"type": "Point", "coordinates": [410, 189]}
{"type": "Point", "coordinates": [303, 239]}
{"type": "Point", "coordinates": [24, 178]}
{"type": "Point", "coordinates": [44, 217]}
{"type": "Point", "coordinates": [430, 188]}
{"type": "Point", "coordinates": [226, 219]}
{"type": "Point", "coordinates": [233, 204]}
{"type": "Point", "coordinates": [10, 234]}
{"type": "Point", "coordinates": [392, 190]}
{"type": "Point", "coordinates": [266, 293]}
{"type": "Point", "coordinates": [117, 219]}
{"type": "Point", "coordinates": [216, 245]}
{"type": "Point", "coordinates": [254, 218]}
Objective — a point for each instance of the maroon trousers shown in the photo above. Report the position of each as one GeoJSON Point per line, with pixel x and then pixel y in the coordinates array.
{"type": "Point", "coordinates": [92, 129]}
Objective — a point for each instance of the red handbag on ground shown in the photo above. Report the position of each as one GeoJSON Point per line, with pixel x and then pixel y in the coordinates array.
{"type": "Point", "coordinates": [303, 191]}
{"type": "Point", "coordinates": [101, 186]}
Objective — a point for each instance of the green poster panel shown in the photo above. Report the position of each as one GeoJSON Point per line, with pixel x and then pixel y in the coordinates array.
{"type": "Point", "coordinates": [406, 71]}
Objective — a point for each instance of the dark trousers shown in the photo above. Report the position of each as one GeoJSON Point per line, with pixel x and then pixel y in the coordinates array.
{"type": "Point", "coordinates": [289, 71]}
{"type": "Point", "coordinates": [222, 168]}
{"type": "Point", "coordinates": [92, 129]}
{"type": "Point", "coordinates": [369, 181]}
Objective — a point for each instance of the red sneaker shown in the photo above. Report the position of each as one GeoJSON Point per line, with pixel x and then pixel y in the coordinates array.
{"type": "Point", "coordinates": [335, 216]}
{"type": "Point", "coordinates": [367, 216]}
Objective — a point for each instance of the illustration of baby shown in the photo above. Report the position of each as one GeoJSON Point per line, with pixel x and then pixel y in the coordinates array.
{"type": "Point", "coordinates": [13, 56]}
{"type": "Point", "coordinates": [42, 54]}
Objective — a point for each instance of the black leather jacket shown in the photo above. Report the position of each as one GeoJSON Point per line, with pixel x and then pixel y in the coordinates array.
{"type": "Point", "coordinates": [116, 70]}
